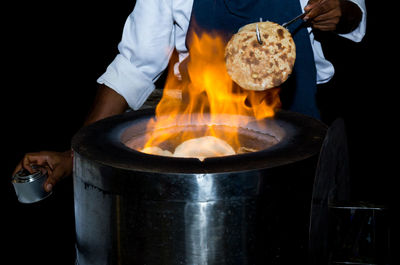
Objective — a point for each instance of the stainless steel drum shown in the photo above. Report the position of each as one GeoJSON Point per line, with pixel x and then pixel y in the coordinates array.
{"type": "Point", "coordinates": [134, 208]}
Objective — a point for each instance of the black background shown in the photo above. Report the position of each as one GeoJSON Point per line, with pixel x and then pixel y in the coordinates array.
{"type": "Point", "coordinates": [54, 52]}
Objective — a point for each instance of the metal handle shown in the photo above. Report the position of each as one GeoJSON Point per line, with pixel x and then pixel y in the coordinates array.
{"type": "Point", "coordinates": [294, 19]}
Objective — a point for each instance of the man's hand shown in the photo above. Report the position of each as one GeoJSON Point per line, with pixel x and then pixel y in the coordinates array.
{"type": "Point", "coordinates": [333, 15]}
{"type": "Point", "coordinates": [57, 164]}
{"type": "Point", "coordinates": [323, 14]}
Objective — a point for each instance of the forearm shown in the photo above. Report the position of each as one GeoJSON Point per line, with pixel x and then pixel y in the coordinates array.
{"type": "Point", "coordinates": [106, 103]}
{"type": "Point", "coordinates": [351, 17]}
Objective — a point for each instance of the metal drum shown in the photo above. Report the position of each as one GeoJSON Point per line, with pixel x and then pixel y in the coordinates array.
{"type": "Point", "coordinates": [134, 208]}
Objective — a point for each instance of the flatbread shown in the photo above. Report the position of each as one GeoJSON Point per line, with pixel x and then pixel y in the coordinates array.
{"type": "Point", "coordinates": [255, 66]}
{"type": "Point", "coordinates": [155, 150]}
{"type": "Point", "coordinates": [203, 147]}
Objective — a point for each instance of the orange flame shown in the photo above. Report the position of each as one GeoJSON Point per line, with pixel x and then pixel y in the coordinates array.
{"type": "Point", "coordinates": [205, 94]}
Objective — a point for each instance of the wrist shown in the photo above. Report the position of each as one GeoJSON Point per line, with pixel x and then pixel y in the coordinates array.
{"type": "Point", "coordinates": [69, 153]}
{"type": "Point", "coordinates": [351, 17]}
{"type": "Point", "coordinates": [107, 103]}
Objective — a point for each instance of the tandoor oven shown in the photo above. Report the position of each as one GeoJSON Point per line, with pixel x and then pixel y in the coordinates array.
{"type": "Point", "coordinates": [248, 208]}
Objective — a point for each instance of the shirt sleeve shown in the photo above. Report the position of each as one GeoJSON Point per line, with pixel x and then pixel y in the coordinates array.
{"type": "Point", "coordinates": [358, 34]}
{"type": "Point", "coordinates": [144, 51]}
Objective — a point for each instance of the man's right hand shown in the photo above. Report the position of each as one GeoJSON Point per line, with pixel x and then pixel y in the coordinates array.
{"type": "Point", "coordinates": [57, 164]}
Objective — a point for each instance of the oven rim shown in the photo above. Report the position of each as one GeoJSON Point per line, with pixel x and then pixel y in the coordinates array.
{"type": "Point", "coordinates": [101, 142]}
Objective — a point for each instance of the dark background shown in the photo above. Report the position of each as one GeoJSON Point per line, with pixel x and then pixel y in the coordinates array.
{"type": "Point", "coordinates": [55, 52]}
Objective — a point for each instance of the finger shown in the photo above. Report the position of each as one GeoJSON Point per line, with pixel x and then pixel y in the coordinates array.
{"type": "Point", "coordinates": [31, 159]}
{"type": "Point", "coordinates": [328, 16]}
{"type": "Point", "coordinates": [311, 5]}
{"type": "Point", "coordinates": [314, 12]}
{"type": "Point", "coordinates": [40, 159]}
{"type": "Point", "coordinates": [28, 160]}
{"type": "Point", "coordinates": [49, 183]}
{"type": "Point", "coordinates": [326, 19]}
{"type": "Point", "coordinates": [319, 8]}
{"type": "Point", "coordinates": [325, 22]}
{"type": "Point", "coordinates": [17, 168]}
{"type": "Point", "coordinates": [55, 175]}
{"type": "Point", "coordinates": [325, 26]}
{"type": "Point", "coordinates": [53, 178]}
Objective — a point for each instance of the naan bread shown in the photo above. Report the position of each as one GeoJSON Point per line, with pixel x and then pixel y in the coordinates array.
{"type": "Point", "coordinates": [202, 147]}
{"type": "Point", "coordinates": [255, 66]}
{"type": "Point", "coordinates": [155, 150]}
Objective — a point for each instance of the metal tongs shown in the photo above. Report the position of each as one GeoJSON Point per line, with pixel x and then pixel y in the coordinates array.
{"type": "Point", "coordinates": [286, 24]}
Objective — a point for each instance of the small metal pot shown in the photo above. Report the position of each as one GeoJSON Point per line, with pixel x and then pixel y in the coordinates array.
{"type": "Point", "coordinates": [29, 186]}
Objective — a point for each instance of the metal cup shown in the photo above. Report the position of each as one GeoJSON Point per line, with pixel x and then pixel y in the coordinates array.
{"type": "Point", "coordinates": [29, 186]}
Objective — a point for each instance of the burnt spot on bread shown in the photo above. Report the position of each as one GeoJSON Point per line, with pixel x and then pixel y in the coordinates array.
{"type": "Point", "coordinates": [252, 60]}
{"type": "Point", "coordinates": [280, 33]}
{"type": "Point", "coordinates": [283, 56]}
{"type": "Point", "coordinates": [255, 44]}
{"type": "Point", "coordinates": [265, 75]}
{"type": "Point", "coordinates": [246, 38]}
{"type": "Point", "coordinates": [265, 35]}
{"type": "Point", "coordinates": [277, 81]}
{"type": "Point", "coordinates": [291, 61]}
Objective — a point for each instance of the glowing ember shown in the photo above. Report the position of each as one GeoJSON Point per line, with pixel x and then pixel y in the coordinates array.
{"type": "Point", "coordinates": [209, 90]}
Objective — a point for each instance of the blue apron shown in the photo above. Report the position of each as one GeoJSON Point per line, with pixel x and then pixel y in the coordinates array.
{"type": "Point", "coordinates": [227, 16]}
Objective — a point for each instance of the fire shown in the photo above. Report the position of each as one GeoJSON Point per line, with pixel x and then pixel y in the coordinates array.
{"type": "Point", "coordinates": [207, 95]}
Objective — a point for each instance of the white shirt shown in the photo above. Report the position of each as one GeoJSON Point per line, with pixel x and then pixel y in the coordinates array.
{"type": "Point", "coordinates": [155, 28]}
